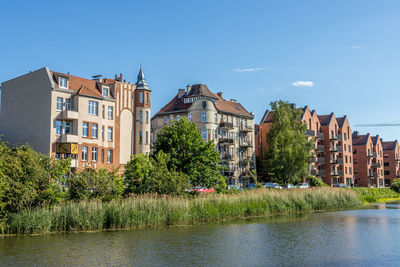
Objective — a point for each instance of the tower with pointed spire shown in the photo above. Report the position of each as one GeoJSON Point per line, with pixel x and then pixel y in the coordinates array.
{"type": "Point", "coordinates": [142, 117]}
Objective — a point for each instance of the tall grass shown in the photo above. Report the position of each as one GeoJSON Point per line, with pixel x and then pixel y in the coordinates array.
{"type": "Point", "coordinates": [152, 211]}
{"type": "Point", "coordinates": [374, 194]}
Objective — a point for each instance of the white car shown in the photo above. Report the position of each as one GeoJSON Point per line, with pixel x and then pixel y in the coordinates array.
{"type": "Point", "coordinates": [303, 185]}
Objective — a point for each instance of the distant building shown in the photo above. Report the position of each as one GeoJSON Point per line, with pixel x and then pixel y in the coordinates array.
{"type": "Point", "coordinates": [391, 161]}
{"type": "Point", "coordinates": [368, 160]}
{"type": "Point", "coordinates": [332, 147]}
{"type": "Point", "coordinates": [226, 122]}
{"type": "Point", "coordinates": [96, 122]}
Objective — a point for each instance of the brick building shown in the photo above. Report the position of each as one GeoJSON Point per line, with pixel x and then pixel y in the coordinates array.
{"type": "Point", "coordinates": [391, 161]}
{"type": "Point", "coordinates": [96, 122]}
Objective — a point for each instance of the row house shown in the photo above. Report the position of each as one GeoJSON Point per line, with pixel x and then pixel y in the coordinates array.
{"type": "Point", "coordinates": [226, 122]}
{"type": "Point", "coordinates": [391, 161]}
{"type": "Point", "coordinates": [96, 122]}
{"type": "Point", "coordinates": [368, 160]}
{"type": "Point", "coordinates": [332, 145]}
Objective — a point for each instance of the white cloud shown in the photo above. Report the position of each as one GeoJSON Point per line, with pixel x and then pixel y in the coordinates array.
{"type": "Point", "coordinates": [303, 83]}
{"type": "Point", "coordinates": [355, 47]}
{"type": "Point", "coordinates": [249, 69]}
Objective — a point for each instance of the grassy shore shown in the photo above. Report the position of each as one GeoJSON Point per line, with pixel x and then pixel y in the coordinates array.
{"type": "Point", "coordinates": [376, 194]}
{"type": "Point", "coordinates": [148, 211]}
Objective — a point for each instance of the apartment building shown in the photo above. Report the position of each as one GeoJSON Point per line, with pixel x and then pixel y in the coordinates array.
{"type": "Point", "coordinates": [368, 160]}
{"type": "Point", "coordinates": [226, 122]}
{"type": "Point", "coordinates": [96, 122]}
{"type": "Point", "coordinates": [391, 161]}
{"type": "Point", "coordinates": [332, 144]}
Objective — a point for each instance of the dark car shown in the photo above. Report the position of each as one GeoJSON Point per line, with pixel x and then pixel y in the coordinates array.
{"type": "Point", "coordinates": [251, 186]}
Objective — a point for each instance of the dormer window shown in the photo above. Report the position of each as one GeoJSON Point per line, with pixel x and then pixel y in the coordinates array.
{"type": "Point", "coordinates": [106, 91]}
{"type": "Point", "coordinates": [63, 82]}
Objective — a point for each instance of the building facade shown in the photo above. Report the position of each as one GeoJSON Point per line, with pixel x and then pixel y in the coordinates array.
{"type": "Point", "coordinates": [226, 122]}
{"type": "Point", "coordinates": [90, 121]}
{"type": "Point", "coordinates": [391, 161]}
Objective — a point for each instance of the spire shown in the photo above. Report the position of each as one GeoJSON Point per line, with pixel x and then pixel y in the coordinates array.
{"type": "Point", "coordinates": [141, 81]}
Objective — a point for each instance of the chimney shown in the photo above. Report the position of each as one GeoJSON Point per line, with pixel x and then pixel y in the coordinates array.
{"type": "Point", "coordinates": [220, 94]}
{"type": "Point", "coordinates": [355, 133]}
{"type": "Point", "coordinates": [181, 92]}
{"type": "Point", "coordinates": [233, 100]}
{"type": "Point", "coordinates": [188, 87]}
{"type": "Point", "coordinates": [97, 78]}
{"type": "Point", "coordinates": [118, 78]}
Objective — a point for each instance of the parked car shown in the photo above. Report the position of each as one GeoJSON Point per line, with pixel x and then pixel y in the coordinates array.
{"type": "Point", "coordinates": [234, 186]}
{"type": "Point", "coordinates": [203, 190]}
{"type": "Point", "coordinates": [272, 185]}
{"type": "Point", "coordinates": [251, 186]}
{"type": "Point", "coordinates": [287, 186]}
{"type": "Point", "coordinates": [341, 185]}
{"type": "Point", "coordinates": [303, 185]}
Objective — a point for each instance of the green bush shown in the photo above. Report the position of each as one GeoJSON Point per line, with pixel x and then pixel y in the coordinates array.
{"type": "Point", "coordinates": [315, 181]}
{"type": "Point", "coordinates": [396, 185]}
{"type": "Point", "coordinates": [374, 194]}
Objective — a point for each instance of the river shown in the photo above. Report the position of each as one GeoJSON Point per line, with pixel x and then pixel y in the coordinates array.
{"type": "Point", "coordinates": [368, 237]}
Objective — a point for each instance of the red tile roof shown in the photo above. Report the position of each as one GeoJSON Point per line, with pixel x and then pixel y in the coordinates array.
{"type": "Point", "coordinates": [389, 145]}
{"type": "Point", "coordinates": [325, 119]}
{"type": "Point", "coordinates": [360, 139]}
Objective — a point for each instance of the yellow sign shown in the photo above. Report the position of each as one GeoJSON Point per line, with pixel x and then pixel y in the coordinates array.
{"type": "Point", "coordinates": [67, 148]}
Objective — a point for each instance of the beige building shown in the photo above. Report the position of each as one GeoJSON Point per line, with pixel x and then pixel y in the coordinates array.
{"type": "Point", "coordinates": [96, 122]}
{"type": "Point", "coordinates": [226, 122]}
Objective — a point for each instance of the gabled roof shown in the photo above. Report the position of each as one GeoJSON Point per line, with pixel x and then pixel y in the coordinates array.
{"type": "Point", "coordinates": [325, 119]}
{"type": "Point", "coordinates": [375, 139]}
{"type": "Point", "coordinates": [360, 139]}
{"type": "Point", "coordinates": [341, 121]}
{"type": "Point", "coordinates": [177, 104]}
{"type": "Point", "coordinates": [389, 145]}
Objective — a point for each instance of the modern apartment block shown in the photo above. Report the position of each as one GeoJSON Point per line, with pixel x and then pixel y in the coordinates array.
{"type": "Point", "coordinates": [368, 160]}
{"type": "Point", "coordinates": [226, 122]}
{"type": "Point", "coordinates": [391, 161]}
{"type": "Point", "coordinates": [96, 122]}
{"type": "Point", "coordinates": [332, 148]}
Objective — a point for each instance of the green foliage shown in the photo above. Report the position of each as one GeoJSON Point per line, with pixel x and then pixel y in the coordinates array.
{"type": "Point", "coordinates": [315, 181]}
{"type": "Point", "coordinates": [189, 154]}
{"type": "Point", "coordinates": [374, 194]}
{"type": "Point", "coordinates": [396, 185]}
{"type": "Point", "coordinates": [152, 211]}
{"type": "Point", "coordinates": [289, 149]}
{"type": "Point", "coordinates": [137, 172]}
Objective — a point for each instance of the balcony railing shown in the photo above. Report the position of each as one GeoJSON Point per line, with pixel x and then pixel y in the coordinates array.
{"type": "Point", "coordinates": [320, 136]}
{"type": "Point", "coordinates": [245, 144]}
{"type": "Point", "coordinates": [333, 137]}
{"type": "Point", "coordinates": [336, 173]}
{"type": "Point", "coordinates": [321, 173]}
{"type": "Point", "coordinates": [69, 138]}
{"type": "Point", "coordinates": [376, 165]}
{"type": "Point", "coordinates": [226, 141]}
{"type": "Point", "coordinates": [339, 137]}
{"type": "Point", "coordinates": [310, 133]}
{"type": "Point", "coordinates": [339, 161]}
{"type": "Point", "coordinates": [321, 160]}
{"type": "Point", "coordinates": [226, 125]}
{"type": "Point", "coordinates": [374, 155]}
{"type": "Point", "coordinates": [69, 115]}
{"type": "Point", "coordinates": [320, 148]}
{"type": "Point", "coordinates": [246, 160]}
{"type": "Point", "coordinates": [369, 155]}
{"type": "Point", "coordinates": [246, 129]}
{"type": "Point", "coordinates": [339, 149]}
{"type": "Point", "coordinates": [373, 175]}
{"type": "Point", "coordinates": [226, 158]}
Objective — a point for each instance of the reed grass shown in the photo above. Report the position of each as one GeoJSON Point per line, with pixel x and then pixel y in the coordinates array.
{"type": "Point", "coordinates": [147, 211]}
{"type": "Point", "coordinates": [375, 194]}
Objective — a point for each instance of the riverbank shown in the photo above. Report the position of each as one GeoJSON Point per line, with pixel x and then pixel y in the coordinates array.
{"type": "Point", "coordinates": [370, 195]}
{"type": "Point", "coordinates": [148, 211]}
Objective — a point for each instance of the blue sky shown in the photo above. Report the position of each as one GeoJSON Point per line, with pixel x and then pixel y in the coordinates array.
{"type": "Point", "coordinates": [334, 56]}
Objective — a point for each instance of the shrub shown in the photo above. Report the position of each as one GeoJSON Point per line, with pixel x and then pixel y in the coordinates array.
{"type": "Point", "coordinates": [396, 185]}
{"type": "Point", "coordinates": [315, 181]}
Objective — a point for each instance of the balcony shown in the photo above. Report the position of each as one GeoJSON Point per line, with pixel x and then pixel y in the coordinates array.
{"type": "Point", "coordinates": [375, 155]}
{"type": "Point", "coordinates": [69, 138]}
{"type": "Point", "coordinates": [226, 125]}
{"type": "Point", "coordinates": [376, 165]}
{"type": "Point", "coordinates": [226, 141]}
{"type": "Point", "coordinates": [333, 161]}
{"type": "Point", "coordinates": [320, 136]}
{"type": "Point", "coordinates": [339, 149]}
{"type": "Point", "coordinates": [226, 158]}
{"type": "Point", "coordinates": [369, 155]}
{"type": "Point", "coordinates": [339, 137]}
{"type": "Point", "coordinates": [321, 173]}
{"type": "Point", "coordinates": [245, 144]}
{"type": "Point", "coordinates": [321, 160]}
{"type": "Point", "coordinates": [246, 129]}
{"type": "Point", "coordinates": [372, 175]}
{"type": "Point", "coordinates": [69, 115]}
{"type": "Point", "coordinates": [246, 160]}
{"type": "Point", "coordinates": [333, 149]}
{"type": "Point", "coordinates": [336, 173]}
{"type": "Point", "coordinates": [333, 137]}
{"type": "Point", "coordinates": [320, 148]}
{"type": "Point", "coordinates": [310, 133]}
{"type": "Point", "coordinates": [246, 174]}
{"type": "Point", "coordinates": [339, 161]}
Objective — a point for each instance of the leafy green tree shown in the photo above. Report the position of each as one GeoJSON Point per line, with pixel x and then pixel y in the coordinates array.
{"type": "Point", "coordinates": [396, 185]}
{"type": "Point", "coordinates": [137, 171]}
{"type": "Point", "coordinates": [289, 150]}
{"type": "Point", "coordinates": [189, 154]}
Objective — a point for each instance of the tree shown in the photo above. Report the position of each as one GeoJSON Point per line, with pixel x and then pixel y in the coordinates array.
{"type": "Point", "coordinates": [137, 171]}
{"type": "Point", "coordinates": [189, 154]}
{"type": "Point", "coordinates": [289, 150]}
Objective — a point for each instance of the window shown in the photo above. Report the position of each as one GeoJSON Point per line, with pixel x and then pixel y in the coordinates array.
{"type": "Point", "coordinates": [345, 159]}
{"type": "Point", "coordinates": [178, 117]}
{"type": "Point", "coordinates": [102, 155]}
{"type": "Point", "coordinates": [63, 82]}
{"type": "Point", "coordinates": [105, 91]}
{"type": "Point", "coordinates": [147, 117]}
{"type": "Point", "coordinates": [109, 156]}
{"type": "Point", "coordinates": [216, 134]}
{"type": "Point", "coordinates": [386, 164]}
{"type": "Point", "coordinates": [345, 136]}
{"type": "Point", "coordinates": [67, 127]}
{"type": "Point", "coordinates": [147, 98]}
{"type": "Point", "coordinates": [190, 116]}
{"type": "Point", "coordinates": [59, 103]}
{"type": "Point", "coordinates": [141, 97]}
{"type": "Point", "coordinates": [102, 132]}
{"type": "Point", "coordinates": [147, 137]}
{"type": "Point", "coordinates": [140, 116]}
{"type": "Point", "coordinates": [94, 153]}
{"type": "Point", "coordinates": [165, 119]}
{"type": "Point", "coordinates": [216, 117]}
{"type": "Point", "coordinates": [231, 119]}
{"type": "Point", "coordinates": [85, 126]}
{"type": "Point", "coordinates": [204, 134]}
{"type": "Point", "coordinates": [94, 131]}
{"type": "Point", "coordinates": [140, 137]}
{"type": "Point", "coordinates": [68, 104]}
{"type": "Point", "coordinates": [84, 153]}
{"type": "Point", "coordinates": [110, 112]}
{"type": "Point", "coordinates": [58, 127]}
{"type": "Point", "coordinates": [110, 134]}
{"type": "Point", "coordinates": [387, 172]}
{"type": "Point", "coordinates": [204, 116]}
{"type": "Point", "coordinates": [93, 107]}
{"type": "Point", "coordinates": [103, 111]}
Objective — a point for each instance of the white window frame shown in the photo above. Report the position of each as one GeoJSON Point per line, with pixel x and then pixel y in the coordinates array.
{"type": "Point", "coordinates": [93, 108]}
{"type": "Point", "coordinates": [63, 82]}
{"type": "Point", "coordinates": [204, 116]}
{"type": "Point", "coordinates": [67, 125]}
{"type": "Point", "coordinates": [95, 129]}
{"type": "Point", "coordinates": [110, 112]}
{"type": "Point", "coordinates": [109, 134]}
{"type": "Point", "coordinates": [85, 125]}
{"type": "Point", "coordinates": [69, 104]}
{"type": "Point", "coordinates": [59, 126]}
{"type": "Point", "coordinates": [204, 134]}
{"type": "Point", "coordinates": [94, 154]}
{"type": "Point", "coordinates": [109, 156]}
{"type": "Point", "coordinates": [106, 92]}
{"type": "Point", "coordinates": [84, 153]}
{"type": "Point", "coordinates": [60, 103]}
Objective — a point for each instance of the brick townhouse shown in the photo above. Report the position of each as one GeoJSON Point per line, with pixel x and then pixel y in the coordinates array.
{"type": "Point", "coordinates": [226, 122]}
{"type": "Point", "coordinates": [391, 161]}
{"type": "Point", "coordinates": [96, 122]}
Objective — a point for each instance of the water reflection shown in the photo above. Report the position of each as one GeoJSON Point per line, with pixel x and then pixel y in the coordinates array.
{"type": "Point", "coordinates": [357, 237]}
